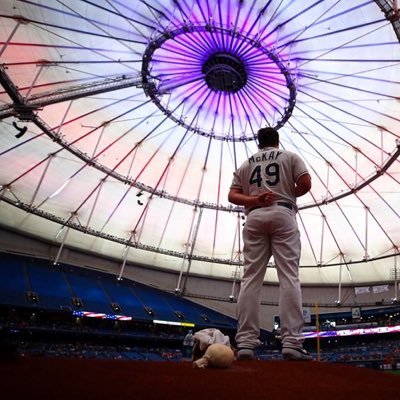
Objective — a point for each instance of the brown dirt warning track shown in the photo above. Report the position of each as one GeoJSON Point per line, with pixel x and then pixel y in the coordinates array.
{"type": "Point", "coordinates": [82, 379]}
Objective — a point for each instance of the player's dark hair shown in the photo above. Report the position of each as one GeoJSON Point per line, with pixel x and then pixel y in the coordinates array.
{"type": "Point", "coordinates": [267, 137]}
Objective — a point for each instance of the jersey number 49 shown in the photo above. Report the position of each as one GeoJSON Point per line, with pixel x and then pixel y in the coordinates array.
{"type": "Point", "coordinates": [271, 175]}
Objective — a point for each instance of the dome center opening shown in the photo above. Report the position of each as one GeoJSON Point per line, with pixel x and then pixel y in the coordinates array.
{"type": "Point", "coordinates": [224, 72]}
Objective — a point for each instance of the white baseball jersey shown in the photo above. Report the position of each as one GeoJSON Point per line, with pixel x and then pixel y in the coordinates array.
{"type": "Point", "coordinates": [270, 169]}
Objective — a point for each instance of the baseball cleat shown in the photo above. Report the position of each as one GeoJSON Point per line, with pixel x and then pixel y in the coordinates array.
{"type": "Point", "coordinates": [296, 354]}
{"type": "Point", "coordinates": [245, 354]}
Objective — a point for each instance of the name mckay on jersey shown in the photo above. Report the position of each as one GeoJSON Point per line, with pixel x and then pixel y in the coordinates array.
{"type": "Point", "coordinates": [266, 156]}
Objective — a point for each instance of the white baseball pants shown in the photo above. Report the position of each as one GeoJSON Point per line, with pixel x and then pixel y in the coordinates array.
{"type": "Point", "coordinates": [270, 231]}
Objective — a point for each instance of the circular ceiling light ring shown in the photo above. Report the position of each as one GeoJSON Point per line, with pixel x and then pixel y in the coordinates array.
{"type": "Point", "coordinates": [223, 72]}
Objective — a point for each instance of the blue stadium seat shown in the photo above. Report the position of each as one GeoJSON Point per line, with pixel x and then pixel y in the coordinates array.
{"type": "Point", "coordinates": [13, 284]}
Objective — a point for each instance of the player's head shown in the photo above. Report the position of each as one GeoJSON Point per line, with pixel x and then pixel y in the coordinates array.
{"type": "Point", "coordinates": [267, 137]}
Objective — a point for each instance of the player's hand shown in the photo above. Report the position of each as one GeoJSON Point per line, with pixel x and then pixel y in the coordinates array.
{"type": "Point", "coordinates": [266, 198]}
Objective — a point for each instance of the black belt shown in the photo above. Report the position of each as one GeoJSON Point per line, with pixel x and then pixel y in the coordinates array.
{"type": "Point", "coordinates": [278, 203]}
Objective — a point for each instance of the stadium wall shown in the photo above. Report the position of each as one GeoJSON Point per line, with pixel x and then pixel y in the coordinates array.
{"type": "Point", "coordinates": [210, 292]}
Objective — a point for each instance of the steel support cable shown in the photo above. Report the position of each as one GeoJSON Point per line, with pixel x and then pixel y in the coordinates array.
{"type": "Point", "coordinates": [7, 41]}
{"type": "Point", "coordinates": [194, 148]}
{"type": "Point", "coordinates": [243, 124]}
{"type": "Point", "coordinates": [85, 48]}
{"type": "Point", "coordinates": [333, 17]}
{"type": "Point", "coordinates": [234, 27]}
{"type": "Point", "coordinates": [213, 33]}
{"type": "Point", "coordinates": [64, 13]}
{"type": "Point", "coordinates": [124, 195]}
{"type": "Point", "coordinates": [319, 208]}
{"type": "Point", "coordinates": [355, 88]}
{"type": "Point", "coordinates": [354, 192]}
{"type": "Point", "coordinates": [39, 163]}
{"type": "Point", "coordinates": [200, 42]}
{"type": "Point", "coordinates": [199, 46]}
{"type": "Point", "coordinates": [67, 145]}
{"type": "Point", "coordinates": [150, 7]}
{"type": "Point", "coordinates": [123, 16]}
{"type": "Point", "coordinates": [221, 23]}
{"type": "Point", "coordinates": [300, 32]}
{"type": "Point", "coordinates": [110, 172]}
{"type": "Point", "coordinates": [124, 179]}
{"type": "Point", "coordinates": [379, 195]}
{"type": "Point", "coordinates": [89, 219]}
{"type": "Point", "coordinates": [273, 16]}
{"type": "Point", "coordinates": [312, 73]}
{"type": "Point", "coordinates": [355, 133]}
{"type": "Point", "coordinates": [190, 256]}
{"type": "Point", "coordinates": [184, 16]}
{"type": "Point", "coordinates": [21, 143]}
{"type": "Point", "coordinates": [97, 26]}
{"type": "Point", "coordinates": [346, 126]}
{"type": "Point", "coordinates": [331, 149]}
{"type": "Point", "coordinates": [249, 97]}
{"type": "Point", "coordinates": [40, 24]}
{"type": "Point", "coordinates": [56, 219]}
{"type": "Point", "coordinates": [239, 44]}
{"type": "Point", "coordinates": [41, 100]}
{"type": "Point", "coordinates": [360, 186]}
{"type": "Point", "coordinates": [325, 219]}
{"type": "Point", "coordinates": [88, 162]}
{"type": "Point", "coordinates": [139, 229]}
{"type": "Point", "coordinates": [272, 102]}
{"type": "Point", "coordinates": [315, 172]}
{"type": "Point", "coordinates": [185, 47]}
{"type": "Point", "coordinates": [233, 129]}
{"type": "Point", "coordinates": [169, 161]}
{"type": "Point", "coordinates": [355, 116]}
{"type": "Point", "coordinates": [377, 166]}
{"type": "Point", "coordinates": [305, 229]}
{"type": "Point", "coordinates": [291, 19]}
{"type": "Point", "coordinates": [130, 21]}
{"type": "Point", "coordinates": [245, 106]}
{"type": "Point", "coordinates": [148, 162]}
{"type": "Point", "coordinates": [360, 151]}
{"type": "Point", "coordinates": [264, 79]}
{"type": "Point", "coordinates": [221, 157]}
{"type": "Point", "coordinates": [363, 179]}
{"type": "Point", "coordinates": [204, 169]}
{"type": "Point", "coordinates": [304, 61]}
{"type": "Point", "coordinates": [259, 15]}
{"type": "Point", "coordinates": [364, 183]}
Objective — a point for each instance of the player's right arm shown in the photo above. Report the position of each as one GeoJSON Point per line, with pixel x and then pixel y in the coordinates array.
{"type": "Point", "coordinates": [236, 196]}
{"type": "Point", "coordinates": [303, 185]}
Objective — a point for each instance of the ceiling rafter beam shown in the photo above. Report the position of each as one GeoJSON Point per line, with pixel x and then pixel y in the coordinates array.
{"type": "Point", "coordinates": [18, 106]}
{"type": "Point", "coordinates": [57, 137]}
{"type": "Point", "coordinates": [21, 106]}
{"type": "Point", "coordinates": [391, 11]}
{"type": "Point", "coordinates": [70, 223]}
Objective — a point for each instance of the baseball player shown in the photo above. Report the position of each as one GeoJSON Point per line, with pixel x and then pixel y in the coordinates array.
{"type": "Point", "coordinates": [267, 185]}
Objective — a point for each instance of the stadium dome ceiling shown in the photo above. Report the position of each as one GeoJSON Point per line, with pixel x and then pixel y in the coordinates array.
{"type": "Point", "coordinates": [122, 123]}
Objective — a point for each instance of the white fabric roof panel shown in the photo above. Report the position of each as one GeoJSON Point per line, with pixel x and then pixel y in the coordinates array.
{"type": "Point", "coordinates": [132, 132]}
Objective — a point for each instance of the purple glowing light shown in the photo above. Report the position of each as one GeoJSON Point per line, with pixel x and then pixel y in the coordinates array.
{"type": "Point", "coordinates": [188, 63]}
